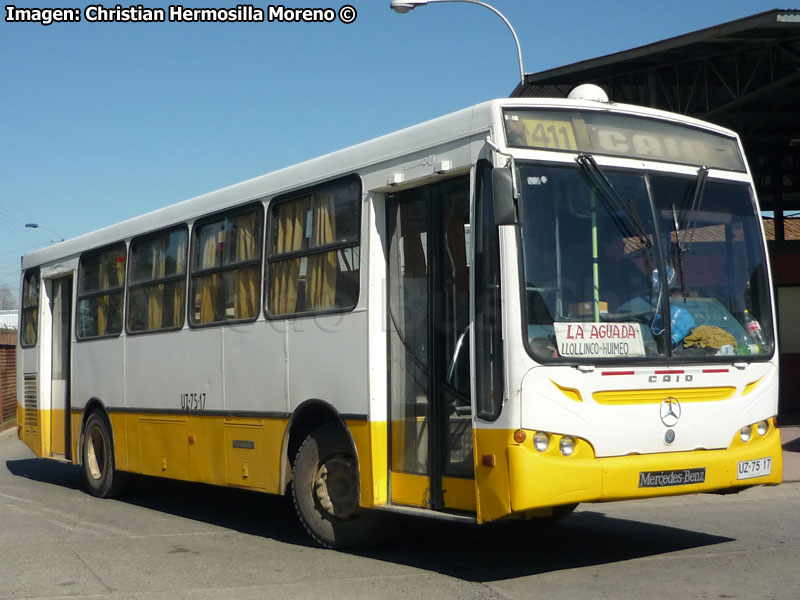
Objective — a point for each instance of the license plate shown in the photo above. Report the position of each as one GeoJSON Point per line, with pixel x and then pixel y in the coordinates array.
{"type": "Point", "coordinates": [754, 468]}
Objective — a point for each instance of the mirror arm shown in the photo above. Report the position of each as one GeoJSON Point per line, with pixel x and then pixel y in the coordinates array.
{"type": "Point", "coordinates": [510, 164]}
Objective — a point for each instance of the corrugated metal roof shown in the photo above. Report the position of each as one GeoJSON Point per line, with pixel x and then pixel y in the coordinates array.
{"type": "Point", "coordinates": [743, 75]}
{"type": "Point", "coordinates": [767, 27]}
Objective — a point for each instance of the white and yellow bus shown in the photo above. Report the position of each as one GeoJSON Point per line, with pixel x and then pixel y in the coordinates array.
{"type": "Point", "coordinates": [500, 313]}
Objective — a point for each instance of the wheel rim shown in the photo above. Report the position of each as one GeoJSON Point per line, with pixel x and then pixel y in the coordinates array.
{"type": "Point", "coordinates": [95, 452]}
{"type": "Point", "coordinates": [335, 488]}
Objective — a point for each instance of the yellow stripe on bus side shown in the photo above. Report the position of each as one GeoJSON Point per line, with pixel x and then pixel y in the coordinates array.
{"type": "Point", "coordinates": [189, 448]}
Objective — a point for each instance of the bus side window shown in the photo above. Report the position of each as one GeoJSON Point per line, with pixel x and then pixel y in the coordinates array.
{"type": "Point", "coordinates": [314, 253]}
{"type": "Point", "coordinates": [226, 267]}
{"type": "Point", "coordinates": [157, 281]}
{"type": "Point", "coordinates": [29, 331]}
{"type": "Point", "coordinates": [101, 281]}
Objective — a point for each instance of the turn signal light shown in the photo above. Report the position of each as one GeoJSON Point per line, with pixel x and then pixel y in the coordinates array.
{"type": "Point", "coordinates": [520, 436]}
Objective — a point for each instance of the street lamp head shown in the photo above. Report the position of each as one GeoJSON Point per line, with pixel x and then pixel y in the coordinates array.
{"type": "Point", "coordinates": [32, 225]}
{"type": "Point", "coordinates": [403, 6]}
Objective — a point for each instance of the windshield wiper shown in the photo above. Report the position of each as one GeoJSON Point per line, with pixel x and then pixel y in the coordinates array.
{"type": "Point", "coordinates": [678, 260]}
{"type": "Point", "coordinates": [697, 197]}
{"type": "Point", "coordinates": [631, 225]}
{"type": "Point", "coordinates": [685, 216]}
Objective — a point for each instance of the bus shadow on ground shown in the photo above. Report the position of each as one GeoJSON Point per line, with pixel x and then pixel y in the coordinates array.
{"type": "Point", "coordinates": [793, 445]}
{"type": "Point", "coordinates": [47, 471]}
{"type": "Point", "coordinates": [469, 552]}
{"type": "Point", "coordinates": [512, 549]}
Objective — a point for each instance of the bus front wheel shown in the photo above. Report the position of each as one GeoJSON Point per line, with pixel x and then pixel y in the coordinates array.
{"type": "Point", "coordinates": [325, 492]}
{"type": "Point", "coordinates": [102, 478]}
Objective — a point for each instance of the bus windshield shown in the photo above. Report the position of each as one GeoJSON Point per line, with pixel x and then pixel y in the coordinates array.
{"type": "Point", "coordinates": [629, 266]}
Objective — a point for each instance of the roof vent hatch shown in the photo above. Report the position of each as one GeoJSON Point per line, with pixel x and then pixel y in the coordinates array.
{"type": "Point", "coordinates": [588, 91]}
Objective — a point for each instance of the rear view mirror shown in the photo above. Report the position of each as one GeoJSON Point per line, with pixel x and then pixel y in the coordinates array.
{"type": "Point", "coordinates": [503, 192]}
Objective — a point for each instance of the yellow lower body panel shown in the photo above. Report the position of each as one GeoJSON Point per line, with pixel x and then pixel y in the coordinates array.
{"type": "Point", "coordinates": [76, 422]}
{"type": "Point", "coordinates": [369, 438]}
{"type": "Point", "coordinates": [33, 429]}
{"type": "Point", "coordinates": [57, 431]}
{"type": "Point", "coordinates": [548, 479]}
{"type": "Point", "coordinates": [241, 452]}
{"type": "Point", "coordinates": [410, 489]}
{"type": "Point", "coordinates": [44, 433]}
{"type": "Point", "coordinates": [232, 451]}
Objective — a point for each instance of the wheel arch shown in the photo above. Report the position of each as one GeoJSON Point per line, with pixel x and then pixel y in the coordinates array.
{"type": "Point", "coordinates": [308, 416]}
{"type": "Point", "coordinates": [93, 405]}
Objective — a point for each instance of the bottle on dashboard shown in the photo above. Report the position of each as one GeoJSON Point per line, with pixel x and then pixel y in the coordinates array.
{"type": "Point", "coordinates": [753, 328]}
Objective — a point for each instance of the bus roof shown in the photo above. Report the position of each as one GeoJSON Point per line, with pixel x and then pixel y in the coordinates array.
{"type": "Point", "coordinates": [363, 156]}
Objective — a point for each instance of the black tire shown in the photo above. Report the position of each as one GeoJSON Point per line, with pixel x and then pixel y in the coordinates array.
{"type": "Point", "coordinates": [102, 478]}
{"type": "Point", "coordinates": [325, 492]}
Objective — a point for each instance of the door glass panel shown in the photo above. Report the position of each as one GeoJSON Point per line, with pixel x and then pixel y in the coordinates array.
{"type": "Point", "coordinates": [454, 201]}
{"type": "Point", "coordinates": [408, 335]}
{"type": "Point", "coordinates": [61, 307]}
{"type": "Point", "coordinates": [429, 333]}
{"type": "Point", "coordinates": [62, 294]}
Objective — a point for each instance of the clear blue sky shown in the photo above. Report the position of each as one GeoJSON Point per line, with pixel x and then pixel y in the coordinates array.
{"type": "Point", "coordinates": [101, 121]}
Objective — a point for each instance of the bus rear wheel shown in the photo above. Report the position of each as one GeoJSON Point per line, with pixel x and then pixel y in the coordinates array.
{"type": "Point", "coordinates": [325, 492]}
{"type": "Point", "coordinates": [102, 478]}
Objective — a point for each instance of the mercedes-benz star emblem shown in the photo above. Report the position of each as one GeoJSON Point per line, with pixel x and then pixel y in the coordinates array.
{"type": "Point", "coordinates": [670, 411]}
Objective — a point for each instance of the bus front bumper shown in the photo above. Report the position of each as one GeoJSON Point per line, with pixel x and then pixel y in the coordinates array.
{"type": "Point", "coordinates": [538, 480]}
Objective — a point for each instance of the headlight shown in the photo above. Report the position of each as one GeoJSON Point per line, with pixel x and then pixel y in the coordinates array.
{"type": "Point", "coordinates": [541, 441]}
{"type": "Point", "coordinates": [567, 445]}
{"type": "Point", "coordinates": [762, 427]}
{"type": "Point", "coordinates": [746, 433]}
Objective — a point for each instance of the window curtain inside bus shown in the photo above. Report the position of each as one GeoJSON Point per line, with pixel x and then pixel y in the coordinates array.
{"type": "Point", "coordinates": [31, 318]}
{"type": "Point", "coordinates": [179, 287]}
{"type": "Point", "coordinates": [30, 309]}
{"type": "Point", "coordinates": [111, 276]}
{"type": "Point", "coordinates": [246, 279]}
{"type": "Point", "coordinates": [321, 276]}
{"type": "Point", "coordinates": [155, 300]}
{"type": "Point", "coordinates": [285, 274]}
{"type": "Point", "coordinates": [211, 238]}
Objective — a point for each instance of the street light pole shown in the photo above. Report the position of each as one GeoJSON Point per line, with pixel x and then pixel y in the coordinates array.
{"type": "Point", "coordinates": [37, 226]}
{"type": "Point", "coordinates": [403, 6]}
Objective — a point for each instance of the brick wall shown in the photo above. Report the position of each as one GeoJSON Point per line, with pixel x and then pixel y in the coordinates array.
{"type": "Point", "coordinates": [8, 377]}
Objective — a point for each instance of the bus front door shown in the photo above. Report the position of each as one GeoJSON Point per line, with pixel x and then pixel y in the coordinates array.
{"type": "Point", "coordinates": [60, 292]}
{"type": "Point", "coordinates": [430, 421]}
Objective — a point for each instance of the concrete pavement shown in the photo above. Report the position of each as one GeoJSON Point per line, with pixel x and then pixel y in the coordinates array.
{"type": "Point", "coordinates": [790, 438]}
